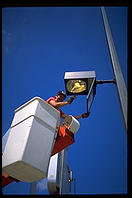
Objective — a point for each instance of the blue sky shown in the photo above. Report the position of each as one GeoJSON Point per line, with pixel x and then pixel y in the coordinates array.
{"type": "Point", "coordinates": [39, 44]}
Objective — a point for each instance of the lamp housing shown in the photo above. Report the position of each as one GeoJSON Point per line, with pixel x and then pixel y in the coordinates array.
{"type": "Point", "coordinates": [79, 83]}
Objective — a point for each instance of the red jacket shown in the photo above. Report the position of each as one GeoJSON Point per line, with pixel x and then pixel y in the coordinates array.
{"type": "Point", "coordinates": [52, 98]}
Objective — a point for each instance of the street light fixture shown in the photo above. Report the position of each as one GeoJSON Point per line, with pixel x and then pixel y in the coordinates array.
{"type": "Point", "coordinates": [81, 83]}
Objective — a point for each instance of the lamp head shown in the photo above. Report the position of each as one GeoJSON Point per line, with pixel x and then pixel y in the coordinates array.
{"type": "Point", "coordinates": [78, 83]}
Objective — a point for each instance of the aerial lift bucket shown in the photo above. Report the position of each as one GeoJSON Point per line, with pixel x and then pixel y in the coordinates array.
{"type": "Point", "coordinates": [28, 148]}
{"type": "Point", "coordinates": [28, 126]}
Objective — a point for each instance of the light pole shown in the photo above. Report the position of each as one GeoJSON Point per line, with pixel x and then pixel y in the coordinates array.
{"type": "Point", "coordinates": [120, 83]}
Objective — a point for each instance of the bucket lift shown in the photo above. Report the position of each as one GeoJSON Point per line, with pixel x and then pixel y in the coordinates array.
{"type": "Point", "coordinates": [35, 135]}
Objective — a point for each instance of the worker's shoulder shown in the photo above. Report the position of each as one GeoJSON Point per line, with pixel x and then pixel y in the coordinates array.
{"type": "Point", "coordinates": [49, 99]}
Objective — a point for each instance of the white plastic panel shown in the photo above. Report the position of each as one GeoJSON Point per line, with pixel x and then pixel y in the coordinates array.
{"type": "Point", "coordinates": [53, 174]}
{"type": "Point", "coordinates": [36, 107]}
{"type": "Point", "coordinates": [71, 123]}
{"type": "Point", "coordinates": [30, 143]}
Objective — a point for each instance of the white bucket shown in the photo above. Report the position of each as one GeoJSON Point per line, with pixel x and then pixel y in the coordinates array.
{"type": "Point", "coordinates": [31, 139]}
{"type": "Point", "coordinates": [71, 123]}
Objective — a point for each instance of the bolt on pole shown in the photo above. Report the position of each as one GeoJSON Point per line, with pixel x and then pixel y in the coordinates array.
{"type": "Point", "coordinates": [120, 83]}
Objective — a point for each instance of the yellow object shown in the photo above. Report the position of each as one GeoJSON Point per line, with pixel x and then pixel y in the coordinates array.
{"type": "Point", "coordinates": [76, 86]}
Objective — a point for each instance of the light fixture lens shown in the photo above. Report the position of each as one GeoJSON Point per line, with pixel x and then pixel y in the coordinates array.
{"type": "Point", "coordinates": [76, 86]}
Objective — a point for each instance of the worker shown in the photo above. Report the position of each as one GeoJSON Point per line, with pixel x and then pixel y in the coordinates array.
{"type": "Point", "coordinates": [58, 102]}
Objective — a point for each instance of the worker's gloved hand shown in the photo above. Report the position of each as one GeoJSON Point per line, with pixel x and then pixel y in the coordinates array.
{"type": "Point", "coordinates": [85, 115]}
{"type": "Point", "coordinates": [70, 100]}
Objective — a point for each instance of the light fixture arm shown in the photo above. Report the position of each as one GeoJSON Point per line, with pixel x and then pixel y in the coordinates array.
{"type": "Point", "coordinates": [105, 81]}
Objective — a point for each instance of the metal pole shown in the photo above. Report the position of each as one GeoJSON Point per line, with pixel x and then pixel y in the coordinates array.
{"type": "Point", "coordinates": [120, 83]}
{"type": "Point", "coordinates": [61, 170]}
{"type": "Point", "coordinates": [33, 188]}
{"type": "Point", "coordinates": [74, 186]}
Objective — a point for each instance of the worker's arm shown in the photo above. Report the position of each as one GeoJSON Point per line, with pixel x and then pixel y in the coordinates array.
{"type": "Point", "coordinates": [61, 104]}
{"type": "Point", "coordinates": [78, 117]}
{"type": "Point", "coordinates": [58, 104]}
{"type": "Point", "coordinates": [84, 115]}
